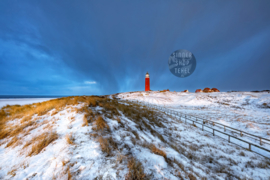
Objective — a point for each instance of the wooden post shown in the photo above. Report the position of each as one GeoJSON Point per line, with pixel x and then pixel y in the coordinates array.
{"type": "Point", "coordinates": [202, 127]}
{"type": "Point", "coordinates": [249, 147]}
{"type": "Point", "coordinates": [260, 141]}
{"type": "Point", "coordinates": [229, 138]}
{"type": "Point", "coordinates": [213, 132]}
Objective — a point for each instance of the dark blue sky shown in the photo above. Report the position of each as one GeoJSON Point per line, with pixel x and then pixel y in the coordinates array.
{"type": "Point", "coordinates": [103, 47]}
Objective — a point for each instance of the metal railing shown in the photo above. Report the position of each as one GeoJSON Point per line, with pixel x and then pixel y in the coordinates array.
{"type": "Point", "coordinates": [226, 132]}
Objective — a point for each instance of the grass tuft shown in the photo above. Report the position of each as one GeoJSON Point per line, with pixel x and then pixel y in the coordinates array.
{"type": "Point", "coordinates": [157, 151]}
{"type": "Point", "coordinates": [85, 121]}
{"type": "Point", "coordinates": [104, 144]}
{"type": "Point", "coordinates": [136, 170]}
{"type": "Point", "coordinates": [42, 142]}
{"type": "Point", "coordinates": [100, 123]}
{"type": "Point", "coordinates": [13, 141]}
{"type": "Point", "coordinates": [70, 139]}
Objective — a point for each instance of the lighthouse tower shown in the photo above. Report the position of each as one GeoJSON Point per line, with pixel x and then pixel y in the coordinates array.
{"type": "Point", "coordinates": [147, 82]}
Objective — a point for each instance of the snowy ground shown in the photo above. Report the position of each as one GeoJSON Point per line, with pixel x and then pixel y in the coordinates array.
{"type": "Point", "coordinates": [21, 101]}
{"type": "Point", "coordinates": [189, 152]}
{"type": "Point", "coordinates": [242, 110]}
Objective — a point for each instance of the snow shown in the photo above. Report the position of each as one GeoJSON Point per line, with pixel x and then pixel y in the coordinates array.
{"type": "Point", "coordinates": [196, 151]}
{"type": "Point", "coordinates": [241, 110]}
{"type": "Point", "coordinates": [21, 101]}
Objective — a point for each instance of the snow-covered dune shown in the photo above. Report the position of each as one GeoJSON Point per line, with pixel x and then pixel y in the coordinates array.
{"type": "Point", "coordinates": [106, 138]}
{"type": "Point", "coordinates": [247, 111]}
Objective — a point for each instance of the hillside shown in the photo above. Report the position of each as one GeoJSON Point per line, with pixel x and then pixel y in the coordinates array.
{"type": "Point", "coordinates": [115, 137]}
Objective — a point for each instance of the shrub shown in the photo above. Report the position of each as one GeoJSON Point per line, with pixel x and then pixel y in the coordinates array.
{"type": "Point", "coordinates": [242, 153]}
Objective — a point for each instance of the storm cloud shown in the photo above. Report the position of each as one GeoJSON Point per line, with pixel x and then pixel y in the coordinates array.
{"type": "Point", "coordinates": [104, 47]}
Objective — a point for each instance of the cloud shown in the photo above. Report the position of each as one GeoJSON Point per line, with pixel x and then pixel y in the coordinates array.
{"type": "Point", "coordinates": [90, 82]}
{"type": "Point", "coordinates": [116, 43]}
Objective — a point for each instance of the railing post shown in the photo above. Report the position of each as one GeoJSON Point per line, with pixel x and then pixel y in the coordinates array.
{"type": "Point", "coordinates": [249, 146]}
{"type": "Point", "coordinates": [260, 141]}
{"type": "Point", "coordinates": [224, 129]}
{"type": "Point", "coordinates": [213, 132]}
{"type": "Point", "coordinates": [229, 138]}
{"type": "Point", "coordinates": [202, 127]}
{"type": "Point", "coordinates": [241, 134]}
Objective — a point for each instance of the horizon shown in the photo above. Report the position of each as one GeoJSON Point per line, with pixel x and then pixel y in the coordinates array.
{"type": "Point", "coordinates": [53, 95]}
{"type": "Point", "coordinates": [104, 47]}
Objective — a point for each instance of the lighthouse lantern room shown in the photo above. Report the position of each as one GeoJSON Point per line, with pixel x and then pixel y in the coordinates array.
{"type": "Point", "coordinates": [147, 82]}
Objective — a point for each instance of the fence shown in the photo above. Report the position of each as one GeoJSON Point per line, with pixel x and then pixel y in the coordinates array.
{"type": "Point", "coordinates": [227, 132]}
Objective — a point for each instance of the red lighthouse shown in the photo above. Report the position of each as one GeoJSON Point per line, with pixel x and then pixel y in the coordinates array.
{"type": "Point", "coordinates": [147, 82]}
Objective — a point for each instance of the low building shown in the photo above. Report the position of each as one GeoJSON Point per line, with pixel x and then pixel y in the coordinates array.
{"type": "Point", "coordinates": [207, 90]}
{"type": "Point", "coordinates": [215, 90]}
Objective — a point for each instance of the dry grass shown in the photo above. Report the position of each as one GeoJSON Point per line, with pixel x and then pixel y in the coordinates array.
{"type": "Point", "coordinates": [13, 141]}
{"type": "Point", "coordinates": [192, 177]}
{"type": "Point", "coordinates": [12, 173]}
{"type": "Point", "coordinates": [120, 158]}
{"type": "Point", "coordinates": [157, 151]}
{"type": "Point", "coordinates": [118, 120]}
{"type": "Point", "coordinates": [26, 118]}
{"type": "Point", "coordinates": [136, 171]}
{"type": "Point", "coordinates": [26, 112]}
{"type": "Point", "coordinates": [250, 125]}
{"type": "Point", "coordinates": [54, 112]}
{"type": "Point", "coordinates": [69, 173]}
{"type": "Point", "coordinates": [70, 139]}
{"type": "Point", "coordinates": [84, 109]}
{"type": "Point", "coordinates": [107, 145]}
{"type": "Point", "coordinates": [14, 131]}
{"type": "Point", "coordinates": [104, 144]}
{"type": "Point", "coordinates": [100, 124]}
{"type": "Point", "coordinates": [40, 142]}
{"type": "Point", "coordinates": [64, 162]}
{"type": "Point", "coordinates": [85, 121]}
